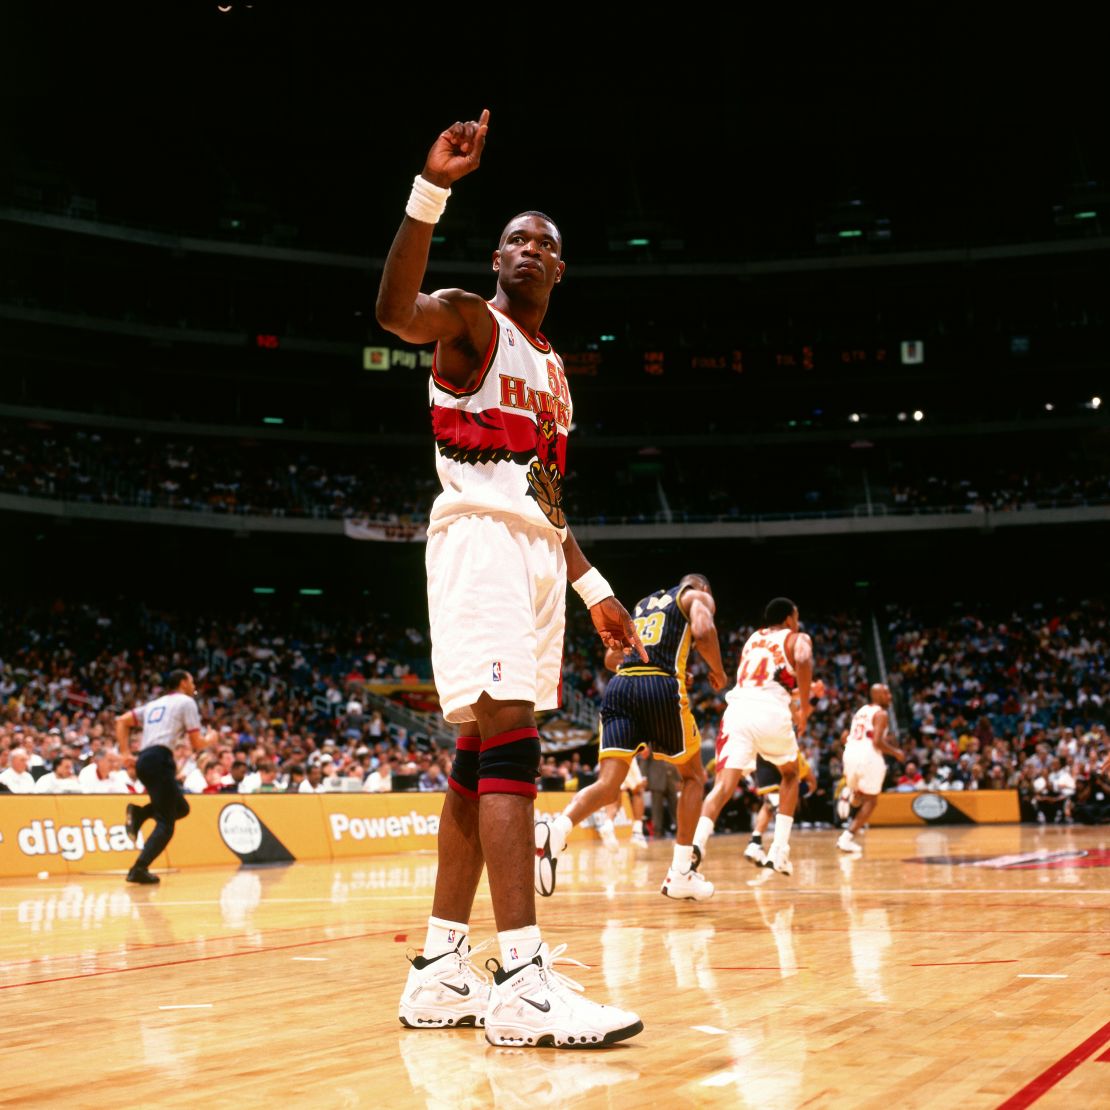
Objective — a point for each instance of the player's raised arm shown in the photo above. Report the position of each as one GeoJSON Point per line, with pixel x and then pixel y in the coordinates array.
{"type": "Point", "coordinates": [401, 308]}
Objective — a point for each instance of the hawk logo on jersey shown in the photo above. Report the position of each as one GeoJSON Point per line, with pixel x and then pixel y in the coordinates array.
{"type": "Point", "coordinates": [545, 483]}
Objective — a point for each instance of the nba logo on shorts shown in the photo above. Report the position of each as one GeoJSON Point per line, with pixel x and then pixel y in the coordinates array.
{"type": "Point", "coordinates": [497, 672]}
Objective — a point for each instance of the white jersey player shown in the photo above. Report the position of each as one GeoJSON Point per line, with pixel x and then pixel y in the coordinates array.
{"type": "Point", "coordinates": [864, 766]}
{"type": "Point", "coordinates": [770, 699]}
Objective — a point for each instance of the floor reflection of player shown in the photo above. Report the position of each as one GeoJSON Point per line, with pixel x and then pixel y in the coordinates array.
{"type": "Point", "coordinates": [647, 706]}
{"type": "Point", "coordinates": [865, 742]}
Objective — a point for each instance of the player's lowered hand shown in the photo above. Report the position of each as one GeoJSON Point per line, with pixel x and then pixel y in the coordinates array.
{"type": "Point", "coordinates": [615, 627]}
{"type": "Point", "coordinates": [457, 151]}
{"type": "Point", "coordinates": [718, 680]}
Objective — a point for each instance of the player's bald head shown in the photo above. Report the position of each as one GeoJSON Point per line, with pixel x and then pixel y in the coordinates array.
{"type": "Point", "coordinates": [880, 694]}
{"type": "Point", "coordinates": [695, 582]}
{"type": "Point", "coordinates": [528, 216]}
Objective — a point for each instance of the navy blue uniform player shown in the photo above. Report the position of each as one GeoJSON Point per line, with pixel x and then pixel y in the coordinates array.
{"type": "Point", "coordinates": [645, 705]}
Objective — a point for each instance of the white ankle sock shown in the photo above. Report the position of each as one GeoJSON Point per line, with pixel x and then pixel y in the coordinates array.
{"type": "Point", "coordinates": [682, 857]}
{"type": "Point", "coordinates": [518, 946]}
{"type": "Point", "coordinates": [638, 827]}
{"type": "Point", "coordinates": [560, 832]}
{"type": "Point", "coordinates": [783, 825]}
{"type": "Point", "coordinates": [443, 936]}
{"type": "Point", "coordinates": [703, 832]}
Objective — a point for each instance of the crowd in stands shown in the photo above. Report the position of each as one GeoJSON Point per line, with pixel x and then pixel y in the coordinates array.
{"type": "Point", "coordinates": [984, 700]}
{"type": "Point", "coordinates": [1016, 698]}
{"type": "Point", "coordinates": [254, 476]}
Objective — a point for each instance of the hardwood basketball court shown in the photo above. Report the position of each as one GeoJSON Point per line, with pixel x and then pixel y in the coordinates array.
{"type": "Point", "coordinates": [947, 967]}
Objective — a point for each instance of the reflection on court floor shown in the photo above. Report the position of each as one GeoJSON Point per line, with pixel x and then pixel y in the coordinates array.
{"type": "Point", "coordinates": [943, 966]}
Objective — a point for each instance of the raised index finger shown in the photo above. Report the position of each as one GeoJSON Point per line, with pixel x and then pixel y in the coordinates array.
{"type": "Point", "coordinates": [480, 137]}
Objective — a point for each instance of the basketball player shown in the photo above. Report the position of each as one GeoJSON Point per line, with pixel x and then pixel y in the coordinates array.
{"type": "Point", "coordinates": [864, 766]}
{"type": "Point", "coordinates": [647, 706]}
{"type": "Point", "coordinates": [165, 722]}
{"type": "Point", "coordinates": [767, 781]}
{"type": "Point", "coordinates": [499, 556]}
{"type": "Point", "coordinates": [776, 662]}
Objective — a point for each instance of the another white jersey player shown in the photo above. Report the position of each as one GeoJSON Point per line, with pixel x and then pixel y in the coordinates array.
{"type": "Point", "coordinates": [865, 742]}
{"type": "Point", "coordinates": [769, 701]}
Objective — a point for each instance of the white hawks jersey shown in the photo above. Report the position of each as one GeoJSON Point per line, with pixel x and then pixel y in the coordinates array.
{"type": "Point", "coordinates": [862, 729]}
{"type": "Point", "coordinates": [765, 670]}
{"type": "Point", "coordinates": [502, 445]}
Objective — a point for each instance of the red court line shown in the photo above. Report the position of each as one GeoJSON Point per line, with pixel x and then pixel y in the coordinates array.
{"type": "Point", "coordinates": [195, 960]}
{"type": "Point", "coordinates": [1052, 1075]}
{"type": "Point", "coordinates": [966, 963]}
{"type": "Point", "coordinates": [1105, 1057]}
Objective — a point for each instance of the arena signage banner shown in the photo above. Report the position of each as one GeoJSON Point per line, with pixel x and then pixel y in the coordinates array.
{"type": "Point", "coordinates": [78, 834]}
{"type": "Point", "coordinates": [949, 807]}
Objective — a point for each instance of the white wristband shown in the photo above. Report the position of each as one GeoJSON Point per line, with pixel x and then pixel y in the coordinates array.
{"type": "Point", "coordinates": [592, 588]}
{"type": "Point", "coordinates": [426, 201]}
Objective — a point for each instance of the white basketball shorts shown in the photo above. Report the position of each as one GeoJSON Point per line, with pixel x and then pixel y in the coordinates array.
{"type": "Point", "coordinates": [864, 768]}
{"type": "Point", "coordinates": [497, 603]}
{"type": "Point", "coordinates": [750, 727]}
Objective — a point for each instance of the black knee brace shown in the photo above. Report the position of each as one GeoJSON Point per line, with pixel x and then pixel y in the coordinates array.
{"type": "Point", "coordinates": [464, 770]}
{"type": "Point", "coordinates": [509, 763]}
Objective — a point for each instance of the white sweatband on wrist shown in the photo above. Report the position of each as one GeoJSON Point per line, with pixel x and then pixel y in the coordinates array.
{"type": "Point", "coordinates": [426, 201]}
{"type": "Point", "coordinates": [592, 588]}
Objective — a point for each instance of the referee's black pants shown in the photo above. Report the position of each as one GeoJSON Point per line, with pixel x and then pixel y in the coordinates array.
{"type": "Point", "coordinates": [158, 773]}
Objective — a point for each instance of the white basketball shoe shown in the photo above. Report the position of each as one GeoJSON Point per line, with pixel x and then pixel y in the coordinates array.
{"type": "Point", "coordinates": [846, 842]}
{"type": "Point", "coordinates": [778, 859]}
{"type": "Point", "coordinates": [692, 885]}
{"type": "Point", "coordinates": [550, 845]}
{"type": "Point", "coordinates": [755, 853]}
{"type": "Point", "coordinates": [536, 1006]}
{"type": "Point", "coordinates": [445, 990]}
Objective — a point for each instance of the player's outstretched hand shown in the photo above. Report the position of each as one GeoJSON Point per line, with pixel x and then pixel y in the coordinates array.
{"type": "Point", "coordinates": [457, 151]}
{"type": "Point", "coordinates": [615, 627]}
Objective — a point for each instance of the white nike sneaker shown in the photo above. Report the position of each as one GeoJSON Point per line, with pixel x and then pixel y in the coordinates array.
{"type": "Point", "coordinates": [778, 859]}
{"type": "Point", "coordinates": [755, 853]}
{"type": "Point", "coordinates": [687, 884]}
{"type": "Point", "coordinates": [445, 990]}
{"type": "Point", "coordinates": [608, 835]}
{"type": "Point", "coordinates": [639, 839]}
{"type": "Point", "coordinates": [547, 857]}
{"type": "Point", "coordinates": [846, 842]}
{"type": "Point", "coordinates": [538, 1007]}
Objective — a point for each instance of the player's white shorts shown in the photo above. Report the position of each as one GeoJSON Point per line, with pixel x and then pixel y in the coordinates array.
{"type": "Point", "coordinates": [497, 603]}
{"type": "Point", "coordinates": [864, 768]}
{"type": "Point", "coordinates": [752, 727]}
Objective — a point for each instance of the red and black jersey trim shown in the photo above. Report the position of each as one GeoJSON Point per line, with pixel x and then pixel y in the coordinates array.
{"type": "Point", "coordinates": [487, 362]}
{"type": "Point", "coordinates": [540, 342]}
